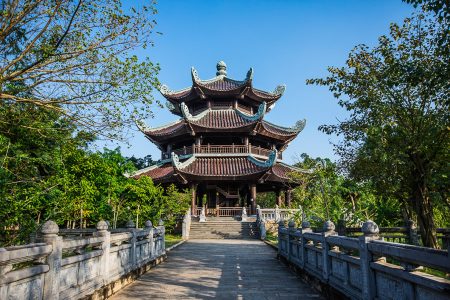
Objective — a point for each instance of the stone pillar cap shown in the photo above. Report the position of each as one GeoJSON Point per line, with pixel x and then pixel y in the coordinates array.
{"type": "Point", "coordinates": [130, 224]}
{"type": "Point", "coordinates": [329, 226]}
{"type": "Point", "coordinates": [50, 227]}
{"type": "Point", "coordinates": [102, 226]}
{"type": "Point", "coordinates": [370, 228]}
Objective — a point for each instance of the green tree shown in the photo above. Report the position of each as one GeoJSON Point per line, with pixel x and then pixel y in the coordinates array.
{"type": "Point", "coordinates": [324, 194]}
{"type": "Point", "coordinates": [74, 58]}
{"type": "Point", "coordinates": [397, 133]}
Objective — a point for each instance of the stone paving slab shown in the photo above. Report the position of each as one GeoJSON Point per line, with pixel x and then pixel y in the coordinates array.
{"type": "Point", "coordinates": [219, 269]}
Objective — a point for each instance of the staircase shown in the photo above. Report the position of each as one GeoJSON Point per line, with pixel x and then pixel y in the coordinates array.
{"type": "Point", "coordinates": [223, 228]}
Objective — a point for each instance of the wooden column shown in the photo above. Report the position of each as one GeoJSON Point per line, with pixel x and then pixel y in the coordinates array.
{"type": "Point", "coordinates": [193, 198]}
{"type": "Point", "coordinates": [253, 197]}
{"type": "Point", "coordinates": [278, 195]}
{"type": "Point", "coordinates": [288, 197]}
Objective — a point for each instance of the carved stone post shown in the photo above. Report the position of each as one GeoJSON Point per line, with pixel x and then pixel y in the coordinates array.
{"type": "Point", "coordinates": [151, 245]}
{"type": "Point", "coordinates": [51, 279]}
{"type": "Point", "coordinates": [131, 227]}
{"type": "Point", "coordinates": [291, 230]}
{"type": "Point", "coordinates": [370, 230]}
{"type": "Point", "coordinates": [261, 223]}
{"type": "Point", "coordinates": [186, 225]}
{"type": "Point", "coordinates": [244, 214]}
{"type": "Point", "coordinates": [202, 215]}
{"type": "Point", "coordinates": [102, 231]}
{"type": "Point", "coordinates": [413, 238]}
{"type": "Point", "coordinates": [163, 237]}
{"type": "Point", "coordinates": [328, 230]}
{"type": "Point", "coordinates": [306, 227]}
{"type": "Point", "coordinates": [277, 214]}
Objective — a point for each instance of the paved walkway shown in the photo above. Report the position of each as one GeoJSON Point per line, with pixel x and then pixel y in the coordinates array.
{"type": "Point", "coordinates": [219, 269]}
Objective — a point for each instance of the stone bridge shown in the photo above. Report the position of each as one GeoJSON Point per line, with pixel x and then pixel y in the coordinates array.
{"type": "Point", "coordinates": [122, 264]}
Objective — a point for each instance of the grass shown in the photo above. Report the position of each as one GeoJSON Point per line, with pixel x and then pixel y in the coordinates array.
{"type": "Point", "coordinates": [172, 239]}
{"type": "Point", "coordinates": [272, 238]}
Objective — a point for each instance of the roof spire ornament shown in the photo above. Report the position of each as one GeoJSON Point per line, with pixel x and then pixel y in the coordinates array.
{"type": "Point", "coordinates": [221, 68]}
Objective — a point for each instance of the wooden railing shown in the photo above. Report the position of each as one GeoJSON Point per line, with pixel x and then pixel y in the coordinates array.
{"type": "Point", "coordinates": [222, 149]}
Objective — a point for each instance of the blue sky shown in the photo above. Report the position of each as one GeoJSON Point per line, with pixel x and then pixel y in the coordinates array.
{"type": "Point", "coordinates": [284, 41]}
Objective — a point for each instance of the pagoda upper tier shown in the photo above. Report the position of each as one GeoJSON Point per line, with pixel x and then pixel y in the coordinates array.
{"type": "Point", "coordinates": [221, 87]}
{"type": "Point", "coordinates": [222, 105]}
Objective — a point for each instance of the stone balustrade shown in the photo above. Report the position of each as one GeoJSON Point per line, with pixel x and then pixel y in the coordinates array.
{"type": "Point", "coordinates": [365, 267]}
{"type": "Point", "coordinates": [80, 263]}
{"type": "Point", "coordinates": [276, 214]}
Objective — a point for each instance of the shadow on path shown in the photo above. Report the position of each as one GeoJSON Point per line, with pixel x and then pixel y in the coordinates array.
{"type": "Point", "coordinates": [219, 269]}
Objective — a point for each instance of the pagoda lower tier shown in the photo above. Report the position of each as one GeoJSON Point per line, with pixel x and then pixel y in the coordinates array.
{"type": "Point", "coordinates": [225, 180]}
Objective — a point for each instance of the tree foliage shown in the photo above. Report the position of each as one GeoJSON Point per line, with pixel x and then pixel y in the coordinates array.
{"type": "Point", "coordinates": [397, 133]}
{"type": "Point", "coordinates": [324, 194]}
{"type": "Point", "coordinates": [49, 173]}
{"type": "Point", "coordinates": [73, 57]}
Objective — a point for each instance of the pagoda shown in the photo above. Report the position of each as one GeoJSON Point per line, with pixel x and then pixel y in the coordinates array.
{"type": "Point", "coordinates": [221, 147]}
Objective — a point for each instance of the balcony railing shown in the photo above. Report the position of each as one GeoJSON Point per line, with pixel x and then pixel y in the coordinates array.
{"type": "Point", "coordinates": [222, 149]}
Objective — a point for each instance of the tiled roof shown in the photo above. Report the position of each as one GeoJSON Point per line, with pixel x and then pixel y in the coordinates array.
{"type": "Point", "coordinates": [175, 95]}
{"type": "Point", "coordinates": [222, 119]}
{"type": "Point", "coordinates": [158, 173]}
{"type": "Point", "coordinates": [166, 130]}
{"type": "Point", "coordinates": [222, 166]}
{"type": "Point", "coordinates": [282, 170]}
{"type": "Point", "coordinates": [272, 128]}
{"type": "Point", "coordinates": [265, 95]}
{"type": "Point", "coordinates": [222, 84]}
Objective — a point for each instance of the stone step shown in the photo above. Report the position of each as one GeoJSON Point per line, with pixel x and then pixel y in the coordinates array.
{"type": "Point", "coordinates": [223, 229]}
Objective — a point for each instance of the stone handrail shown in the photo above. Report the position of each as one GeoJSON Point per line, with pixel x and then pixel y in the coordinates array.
{"type": "Point", "coordinates": [407, 234]}
{"type": "Point", "coordinates": [74, 268]}
{"type": "Point", "coordinates": [365, 267]}
{"type": "Point", "coordinates": [277, 214]}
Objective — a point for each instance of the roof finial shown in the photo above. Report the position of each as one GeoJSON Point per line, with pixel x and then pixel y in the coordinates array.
{"type": "Point", "coordinates": [221, 68]}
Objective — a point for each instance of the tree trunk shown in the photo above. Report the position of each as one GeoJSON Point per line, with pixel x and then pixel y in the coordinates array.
{"type": "Point", "coordinates": [424, 211]}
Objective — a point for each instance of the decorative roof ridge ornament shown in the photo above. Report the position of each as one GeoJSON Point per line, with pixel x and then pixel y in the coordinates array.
{"type": "Point", "coordinates": [194, 74]}
{"type": "Point", "coordinates": [143, 127]}
{"type": "Point", "coordinates": [188, 116]}
{"type": "Point", "coordinates": [166, 91]}
{"type": "Point", "coordinates": [257, 116]}
{"type": "Point", "coordinates": [221, 69]}
{"type": "Point", "coordinates": [180, 165]}
{"type": "Point", "coordinates": [269, 162]}
{"type": "Point", "coordinates": [249, 76]}
{"type": "Point", "coordinates": [279, 90]}
{"type": "Point", "coordinates": [298, 127]}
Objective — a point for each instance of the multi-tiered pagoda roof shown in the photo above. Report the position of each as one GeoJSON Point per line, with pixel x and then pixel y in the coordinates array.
{"type": "Point", "coordinates": [221, 138]}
